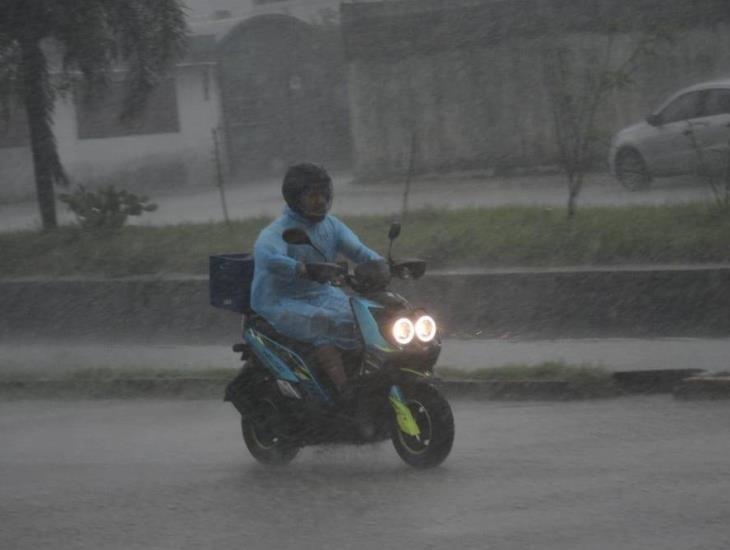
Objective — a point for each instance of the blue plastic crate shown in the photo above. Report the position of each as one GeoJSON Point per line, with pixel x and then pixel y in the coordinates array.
{"type": "Point", "coordinates": [229, 280]}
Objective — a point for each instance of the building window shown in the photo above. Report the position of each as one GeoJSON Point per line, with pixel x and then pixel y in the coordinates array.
{"type": "Point", "coordinates": [14, 130]}
{"type": "Point", "coordinates": [100, 117]}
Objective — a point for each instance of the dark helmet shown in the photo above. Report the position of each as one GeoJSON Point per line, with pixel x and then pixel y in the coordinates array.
{"type": "Point", "coordinates": [304, 177]}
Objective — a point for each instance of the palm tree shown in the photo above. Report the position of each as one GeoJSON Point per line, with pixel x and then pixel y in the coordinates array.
{"type": "Point", "coordinates": [90, 37]}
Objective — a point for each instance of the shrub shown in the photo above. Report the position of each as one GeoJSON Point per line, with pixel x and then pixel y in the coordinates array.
{"type": "Point", "coordinates": [107, 208]}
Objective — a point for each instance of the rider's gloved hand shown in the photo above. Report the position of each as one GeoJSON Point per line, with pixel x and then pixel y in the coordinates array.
{"type": "Point", "coordinates": [317, 277]}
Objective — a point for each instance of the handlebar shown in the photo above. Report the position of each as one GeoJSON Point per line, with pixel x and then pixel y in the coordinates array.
{"type": "Point", "coordinates": [408, 269]}
{"type": "Point", "coordinates": [368, 277]}
{"type": "Point", "coordinates": [323, 272]}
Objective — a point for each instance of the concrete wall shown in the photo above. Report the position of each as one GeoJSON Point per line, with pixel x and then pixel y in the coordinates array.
{"type": "Point", "coordinates": [134, 161]}
{"type": "Point", "coordinates": [462, 84]}
{"type": "Point", "coordinates": [550, 304]}
{"type": "Point", "coordinates": [284, 95]}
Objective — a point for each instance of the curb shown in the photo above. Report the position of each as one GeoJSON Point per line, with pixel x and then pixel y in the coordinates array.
{"type": "Point", "coordinates": [213, 388]}
{"type": "Point", "coordinates": [523, 390]}
{"type": "Point", "coordinates": [569, 302]}
{"type": "Point", "coordinates": [682, 383]}
{"type": "Point", "coordinates": [703, 387]}
{"type": "Point", "coordinates": [120, 388]}
{"type": "Point", "coordinates": [652, 381]}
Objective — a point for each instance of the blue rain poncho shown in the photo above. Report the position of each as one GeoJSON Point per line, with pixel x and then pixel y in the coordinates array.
{"type": "Point", "coordinates": [318, 314]}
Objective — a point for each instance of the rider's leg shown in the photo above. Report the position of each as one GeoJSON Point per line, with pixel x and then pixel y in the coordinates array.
{"type": "Point", "coordinates": [330, 359]}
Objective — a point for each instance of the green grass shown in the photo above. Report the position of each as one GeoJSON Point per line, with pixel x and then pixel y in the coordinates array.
{"type": "Point", "coordinates": [115, 383]}
{"type": "Point", "coordinates": [101, 374]}
{"type": "Point", "coordinates": [105, 374]}
{"type": "Point", "coordinates": [549, 371]}
{"type": "Point", "coordinates": [543, 371]}
{"type": "Point", "coordinates": [490, 238]}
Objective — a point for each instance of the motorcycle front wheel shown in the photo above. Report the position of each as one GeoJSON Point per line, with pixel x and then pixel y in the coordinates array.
{"type": "Point", "coordinates": [261, 438]}
{"type": "Point", "coordinates": [435, 422]}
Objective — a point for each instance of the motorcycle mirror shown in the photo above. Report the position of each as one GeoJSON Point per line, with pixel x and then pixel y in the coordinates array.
{"type": "Point", "coordinates": [295, 235]}
{"type": "Point", "coordinates": [394, 230]}
{"type": "Point", "coordinates": [392, 235]}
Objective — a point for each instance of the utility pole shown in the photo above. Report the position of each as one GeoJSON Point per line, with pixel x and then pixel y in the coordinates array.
{"type": "Point", "coordinates": [219, 174]}
{"type": "Point", "coordinates": [409, 175]}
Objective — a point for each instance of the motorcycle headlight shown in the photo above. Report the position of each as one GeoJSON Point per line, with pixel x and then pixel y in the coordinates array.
{"type": "Point", "coordinates": [403, 331]}
{"type": "Point", "coordinates": [425, 328]}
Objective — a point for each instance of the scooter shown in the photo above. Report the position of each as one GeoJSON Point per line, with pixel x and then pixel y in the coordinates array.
{"type": "Point", "coordinates": [285, 404]}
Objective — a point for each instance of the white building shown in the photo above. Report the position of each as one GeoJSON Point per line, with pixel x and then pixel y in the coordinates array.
{"type": "Point", "coordinates": [172, 144]}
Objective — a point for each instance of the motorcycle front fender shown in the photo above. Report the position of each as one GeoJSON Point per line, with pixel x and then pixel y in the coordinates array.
{"type": "Point", "coordinates": [403, 415]}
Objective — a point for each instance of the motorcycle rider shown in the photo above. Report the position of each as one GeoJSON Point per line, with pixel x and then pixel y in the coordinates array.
{"type": "Point", "coordinates": [285, 294]}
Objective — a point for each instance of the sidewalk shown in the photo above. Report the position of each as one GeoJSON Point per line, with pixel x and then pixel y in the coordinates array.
{"type": "Point", "coordinates": [616, 354]}
{"type": "Point", "coordinates": [263, 198]}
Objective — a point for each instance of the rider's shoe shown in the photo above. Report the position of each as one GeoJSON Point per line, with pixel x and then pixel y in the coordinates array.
{"type": "Point", "coordinates": [345, 394]}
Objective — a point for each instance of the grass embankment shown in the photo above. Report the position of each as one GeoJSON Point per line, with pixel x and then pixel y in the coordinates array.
{"type": "Point", "coordinates": [549, 371]}
{"type": "Point", "coordinates": [499, 237]}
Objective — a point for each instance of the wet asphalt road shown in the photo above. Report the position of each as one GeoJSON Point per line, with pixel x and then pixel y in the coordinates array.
{"type": "Point", "coordinates": [626, 473]}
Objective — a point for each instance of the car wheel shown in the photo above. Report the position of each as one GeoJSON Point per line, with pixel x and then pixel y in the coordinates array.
{"type": "Point", "coordinates": [631, 170]}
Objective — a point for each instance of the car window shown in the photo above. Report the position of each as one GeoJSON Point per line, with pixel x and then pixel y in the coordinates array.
{"type": "Point", "coordinates": [717, 102]}
{"type": "Point", "coordinates": [684, 107]}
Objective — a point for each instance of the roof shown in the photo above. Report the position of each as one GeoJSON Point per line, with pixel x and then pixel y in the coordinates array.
{"type": "Point", "coordinates": [724, 83]}
{"type": "Point", "coordinates": [215, 28]}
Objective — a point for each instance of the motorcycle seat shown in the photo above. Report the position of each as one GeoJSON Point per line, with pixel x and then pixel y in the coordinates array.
{"type": "Point", "coordinates": [261, 325]}
{"type": "Point", "coordinates": [351, 358]}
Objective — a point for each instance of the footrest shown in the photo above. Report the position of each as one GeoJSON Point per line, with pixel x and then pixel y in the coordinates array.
{"type": "Point", "coordinates": [243, 349]}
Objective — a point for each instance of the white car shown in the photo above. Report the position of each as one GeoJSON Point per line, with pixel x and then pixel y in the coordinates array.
{"type": "Point", "coordinates": [688, 133]}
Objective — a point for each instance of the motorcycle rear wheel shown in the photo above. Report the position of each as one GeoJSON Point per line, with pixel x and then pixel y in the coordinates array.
{"type": "Point", "coordinates": [261, 439]}
{"type": "Point", "coordinates": [435, 421]}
